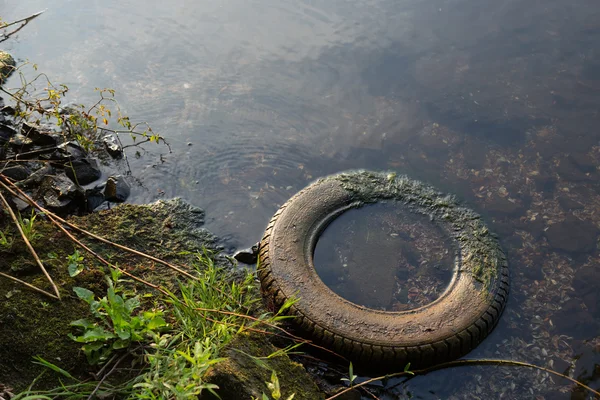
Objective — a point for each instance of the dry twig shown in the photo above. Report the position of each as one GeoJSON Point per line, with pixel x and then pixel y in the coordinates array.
{"type": "Point", "coordinates": [23, 22]}
{"type": "Point", "coordinates": [29, 246]}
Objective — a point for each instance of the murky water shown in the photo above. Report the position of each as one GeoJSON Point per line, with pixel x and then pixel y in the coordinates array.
{"type": "Point", "coordinates": [385, 257]}
{"type": "Point", "coordinates": [495, 101]}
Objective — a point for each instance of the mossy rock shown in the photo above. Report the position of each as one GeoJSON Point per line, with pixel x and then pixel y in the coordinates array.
{"type": "Point", "coordinates": [34, 325]}
{"type": "Point", "coordinates": [242, 377]}
{"type": "Point", "coordinates": [7, 65]}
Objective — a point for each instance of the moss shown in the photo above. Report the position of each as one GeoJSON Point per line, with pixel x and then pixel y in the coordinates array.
{"type": "Point", "coordinates": [241, 377]}
{"type": "Point", "coordinates": [480, 251]}
{"type": "Point", "coordinates": [32, 324]}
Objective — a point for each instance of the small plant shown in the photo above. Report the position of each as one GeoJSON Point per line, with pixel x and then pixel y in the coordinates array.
{"type": "Point", "coordinates": [28, 226]}
{"type": "Point", "coordinates": [275, 390]}
{"type": "Point", "coordinates": [75, 265]}
{"type": "Point", "coordinates": [116, 327]}
{"type": "Point", "coordinates": [6, 240]}
{"type": "Point", "coordinates": [351, 377]}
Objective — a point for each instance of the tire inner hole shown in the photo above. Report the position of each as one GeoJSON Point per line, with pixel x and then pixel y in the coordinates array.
{"type": "Point", "coordinates": [383, 256]}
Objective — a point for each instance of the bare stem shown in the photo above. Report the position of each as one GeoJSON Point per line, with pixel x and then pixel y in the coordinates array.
{"type": "Point", "coordinates": [29, 285]}
{"type": "Point", "coordinates": [23, 22]}
{"type": "Point", "coordinates": [463, 363]}
{"type": "Point", "coordinates": [29, 246]}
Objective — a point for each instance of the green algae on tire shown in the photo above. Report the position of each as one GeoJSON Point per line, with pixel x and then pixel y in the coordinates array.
{"type": "Point", "coordinates": [443, 330]}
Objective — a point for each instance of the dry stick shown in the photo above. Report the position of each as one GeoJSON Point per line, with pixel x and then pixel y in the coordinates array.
{"type": "Point", "coordinates": [23, 21]}
{"type": "Point", "coordinates": [29, 246]}
{"type": "Point", "coordinates": [28, 199]}
{"type": "Point", "coordinates": [99, 238]}
{"type": "Point", "coordinates": [462, 363]}
{"type": "Point", "coordinates": [29, 285]}
{"type": "Point", "coordinates": [99, 257]}
{"type": "Point", "coordinates": [86, 248]}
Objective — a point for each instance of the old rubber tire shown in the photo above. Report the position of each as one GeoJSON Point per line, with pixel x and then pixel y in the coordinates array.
{"type": "Point", "coordinates": [443, 330]}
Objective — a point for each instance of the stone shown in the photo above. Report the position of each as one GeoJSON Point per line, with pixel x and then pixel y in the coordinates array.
{"type": "Point", "coordinates": [117, 189]}
{"type": "Point", "coordinates": [69, 151]}
{"type": "Point", "coordinates": [247, 256]}
{"type": "Point", "coordinates": [112, 147]}
{"type": "Point", "coordinates": [59, 193]}
{"type": "Point", "coordinates": [6, 132]}
{"type": "Point", "coordinates": [15, 171]}
{"type": "Point", "coordinates": [572, 235]}
{"type": "Point", "coordinates": [7, 65]}
{"type": "Point", "coordinates": [93, 198]}
{"type": "Point", "coordinates": [83, 171]}
{"type": "Point", "coordinates": [35, 178]}
{"type": "Point", "coordinates": [39, 137]}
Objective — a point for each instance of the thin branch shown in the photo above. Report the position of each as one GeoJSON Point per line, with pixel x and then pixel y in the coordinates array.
{"type": "Point", "coordinates": [99, 238]}
{"type": "Point", "coordinates": [23, 22]}
{"type": "Point", "coordinates": [29, 285]}
{"type": "Point", "coordinates": [91, 396]}
{"type": "Point", "coordinates": [29, 246]}
{"type": "Point", "coordinates": [463, 363]}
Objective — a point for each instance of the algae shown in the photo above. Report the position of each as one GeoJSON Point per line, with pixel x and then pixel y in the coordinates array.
{"type": "Point", "coordinates": [480, 251]}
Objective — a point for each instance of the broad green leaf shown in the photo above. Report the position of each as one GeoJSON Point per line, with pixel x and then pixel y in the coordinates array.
{"type": "Point", "coordinates": [156, 322]}
{"type": "Point", "coordinates": [83, 323]}
{"type": "Point", "coordinates": [84, 294]}
{"type": "Point", "coordinates": [75, 269]}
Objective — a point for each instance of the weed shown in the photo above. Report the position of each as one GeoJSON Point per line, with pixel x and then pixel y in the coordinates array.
{"type": "Point", "coordinates": [6, 241]}
{"type": "Point", "coordinates": [275, 390]}
{"type": "Point", "coordinates": [351, 377]}
{"type": "Point", "coordinates": [75, 265]}
{"type": "Point", "coordinates": [116, 327]}
{"type": "Point", "coordinates": [28, 226]}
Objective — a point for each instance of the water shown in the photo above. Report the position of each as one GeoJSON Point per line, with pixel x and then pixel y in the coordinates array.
{"type": "Point", "coordinates": [386, 257]}
{"type": "Point", "coordinates": [496, 102]}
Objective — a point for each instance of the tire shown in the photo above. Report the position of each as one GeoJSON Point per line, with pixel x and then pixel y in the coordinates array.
{"type": "Point", "coordinates": [443, 330]}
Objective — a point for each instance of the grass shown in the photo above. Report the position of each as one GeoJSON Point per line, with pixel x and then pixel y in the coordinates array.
{"type": "Point", "coordinates": [170, 358]}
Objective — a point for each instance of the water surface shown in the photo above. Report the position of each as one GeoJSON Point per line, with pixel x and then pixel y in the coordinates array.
{"type": "Point", "coordinates": [495, 101]}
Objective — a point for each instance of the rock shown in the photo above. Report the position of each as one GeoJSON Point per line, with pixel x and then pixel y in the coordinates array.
{"type": "Point", "coordinates": [240, 377]}
{"type": "Point", "coordinates": [59, 193]}
{"type": "Point", "coordinates": [247, 256]}
{"type": "Point", "coordinates": [35, 178]}
{"type": "Point", "coordinates": [83, 171]}
{"type": "Point", "coordinates": [69, 151]}
{"type": "Point", "coordinates": [117, 189]}
{"type": "Point", "coordinates": [569, 204]}
{"type": "Point", "coordinates": [7, 65]}
{"type": "Point", "coordinates": [573, 236]}
{"type": "Point", "coordinates": [6, 132]}
{"type": "Point", "coordinates": [93, 198]}
{"type": "Point", "coordinates": [15, 171]}
{"type": "Point", "coordinates": [112, 147]}
{"type": "Point", "coordinates": [38, 137]}
{"type": "Point", "coordinates": [20, 141]}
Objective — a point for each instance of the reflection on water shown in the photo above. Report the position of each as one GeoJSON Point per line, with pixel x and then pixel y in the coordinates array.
{"type": "Point", "coordinates": [385, 257]}
{"type": "Point", "coordinates": [495, 101]}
